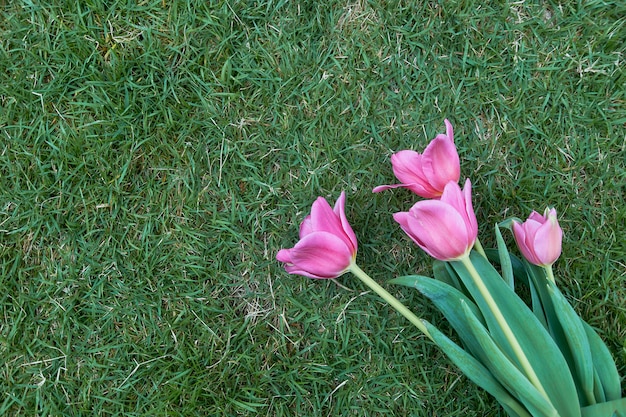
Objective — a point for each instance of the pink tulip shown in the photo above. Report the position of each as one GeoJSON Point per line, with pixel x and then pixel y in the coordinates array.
{"type": "Point", "coordinates": [427, 174]}
{"type": "Point", "coordinates": [539, 238]}
{"type": "Point", "coordinates": [327, 245]}
{"type": "Point", "coordinates": [446, 229]}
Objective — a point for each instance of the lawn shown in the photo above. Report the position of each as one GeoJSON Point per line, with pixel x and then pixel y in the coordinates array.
{"type": "Point", "coordinates": [155, 155]}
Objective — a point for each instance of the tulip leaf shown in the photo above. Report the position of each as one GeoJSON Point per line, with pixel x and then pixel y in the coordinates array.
{"type": "Point", "coordinates": [526, 339]}
{"type": "Point", "coordinates": [604, 365]}
{"type": "Point", "coordinates": [505, 260]}
{"type": "Point", "coordinates": [577, 342]}
{"type": "Point", "coordinates": [606, 385]}
{"type": "Point", "coordinates": [508, 223]}
{"type": "Point", "coordinates": [552, 308]}
{"type": "Point", "coordinates": [537, 303]}
{"type": "Point", "coordinates": [448, 300]}
{"type": "Point", "coordinates": [506, 372]}
{"type": "Point", "coordinates": [520, 274]}
{"type": "Point", "coordinates": [442, 272]}
{"type": "Point", "coordinates": [465, 317]}
{"type": "Point", "coordinates": [598, 389]}
{"type": "Point", "coordinates": [477, 373]}
{"type": "Point", "coordinates": [615, 408]}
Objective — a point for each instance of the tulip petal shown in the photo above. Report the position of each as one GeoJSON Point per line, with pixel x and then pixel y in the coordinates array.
{"type": "Point", "coordinates": [472, 223]}
{"type": "Point", "coordinates": [402, 218]}
{"type": "Point", "coordinates": [524, 241]}
{"type": "Point", "coordinates": [418, 189]}
{"type": "Point", "coordinates": [284, 255]}
{"type": "Point", "coordinates": [437, 228]}
{"type": "Point", "coordinates": [407, 166]}
{"type": "Point", "coordinates": [531, 227]}
{"type": "Point", "coordinates": [453, 196]}
{"type": "Point", "coordinates": [340, 211]}
{"type": "Point", "coordinates": [539, 238]}
{"type": "Point", "coordinates": [547, 245]}
{"type": "Point", "coordinates": [449, 130]}
{"type": "Point", "coordinates": [537, 217]}
{"type": "Point", "coordinates": [319, 255]}
{"type": "Point", "coordinates": [380, 188]}
{"type": "Point", "coordinates": [441, 162]}
{"type": "Point", "coordinates": [306, 227]}
{"type": "Point", "coordinates": [324, 219]}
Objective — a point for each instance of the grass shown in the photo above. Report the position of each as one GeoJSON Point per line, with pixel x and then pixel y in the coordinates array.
{"type": "Point", "coordinates": [155, 155]}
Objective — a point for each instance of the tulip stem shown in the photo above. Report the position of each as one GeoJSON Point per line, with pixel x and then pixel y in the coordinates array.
{"type": "Point", "coordinates": [549, 273]}
{"type": "Point", "coordinates": [393, 301]}
{"type": "Point", "coordinates": [506, 329]}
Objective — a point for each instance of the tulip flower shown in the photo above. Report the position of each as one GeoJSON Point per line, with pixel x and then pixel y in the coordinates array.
{"type": "Point", "coordinates": [427, 174]}
{"type": "Point", "coordinates": [539, 238]}
{"type": "Point", "coordinates": [446, 229]}
{"type": "Point", "coordinates": [327, 246]}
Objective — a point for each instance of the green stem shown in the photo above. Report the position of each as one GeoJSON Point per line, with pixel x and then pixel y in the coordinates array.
{"type": "Point", "coordinates": [549, 273]}
{"type": "Point", "coordinates": [393, 301]}
{"type": "Point", "coordinates": [508, 333]}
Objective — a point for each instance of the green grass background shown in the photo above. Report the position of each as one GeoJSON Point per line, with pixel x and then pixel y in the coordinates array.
{"type": "Point", "coordinates": [155, 155]}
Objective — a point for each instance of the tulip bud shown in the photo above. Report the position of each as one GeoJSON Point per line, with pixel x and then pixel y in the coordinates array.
{"type": "Point", "coordinates": [539, 238]}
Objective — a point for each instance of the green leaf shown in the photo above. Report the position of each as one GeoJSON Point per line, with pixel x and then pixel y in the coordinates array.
{"type": "Point", "coordinates": [537, 303]}
{"type": "Point", "coordinates": [519, 269]}
{"type": "Point", "coordinates": [615, 408]}
{"type": "Point", "coordinates": [605, 375]}
{"type": "Point", "coordinates": [539, 282]}
{"type": "Point", "coordinates": [506, 372]}
{"type": "Point", "coordinates": [477, 373]}
{"type": "Point", "coordinates": [442, 272]}
{"type": "Point", "coordinates": [604, 365]}
{"type": "Point", "coordinates": [505, 260]}
{"type": "Point", "coordinates": [577, 342]}
{"type": "Point", "coordinates": [536, 345]}
{"type": "Point", "coordinates": [591, 384]}
{"type": "Point", "coordinates": [448, 300]}
{"type": "Point", "coordinates": [458, 309]}
{"type": "Point", "coordinates": [520, 274]}
{"type": "Point", "coordinates": [598, 389]}
{"type": "Point", "coordinates": [508, 223]}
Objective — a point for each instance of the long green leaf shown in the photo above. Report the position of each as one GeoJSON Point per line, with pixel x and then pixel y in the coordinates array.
{"type": "Point", "coordinates": [615, 408]}
{"type": "Point", "coordinates": [477, 373]}
{"type": "Point", "coordinates": [505, 260]}
{"type": "Point", "coordinates": [605, 375]}
{"type": "Point", "coordinates": [456, 307]}
{"type": "Point", "coordinates": [577, 342]}
{"type": "Point", "coordinates": [537, 303]}
{"type": "Point", "coordinates": [604, 365]}
{"type": "Point", "coordinates": [506, 372]}
{"type": "Point", "coordinates": [444, 273]}
{"type": "Point", "coordinates": [520, 274]}
{"type": "Point", "coordinates": [539, 282]}
{"type": "Point", "coordinates": [448, 300]}
{"type": "Point", "coordinates": [570, 341]}
{"type": "Point", "coordinates": [542, 354]}
{"type": "Point", "coordinates": [441, 273]}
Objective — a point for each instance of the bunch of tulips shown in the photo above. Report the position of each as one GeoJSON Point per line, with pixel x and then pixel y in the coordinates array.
{"type": "Point", "coordinates": [537, 358]}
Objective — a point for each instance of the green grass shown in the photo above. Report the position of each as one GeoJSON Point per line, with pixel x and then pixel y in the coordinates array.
{"type": "Point", "coordinates": [155, 155]}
